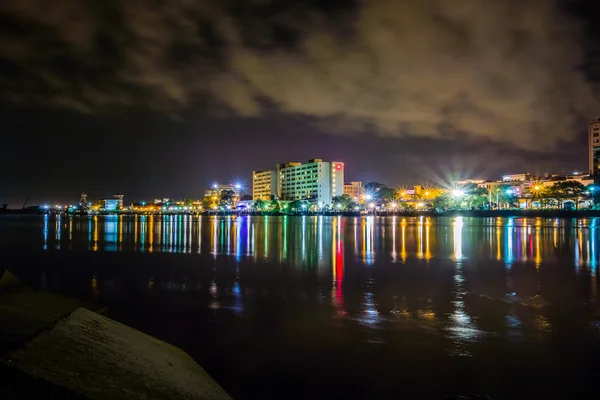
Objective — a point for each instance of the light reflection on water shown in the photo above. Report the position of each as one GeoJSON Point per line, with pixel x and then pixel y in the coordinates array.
{"type": "Point", "coordinates": [306, 240]}
{"type": "Point", "coordinates": [326, 243]}
{"type": "Point", "coordinates": [464, 287]}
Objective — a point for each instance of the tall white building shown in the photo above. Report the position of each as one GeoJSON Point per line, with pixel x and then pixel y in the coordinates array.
{"type": "Point", "coordinates": [316, 180]}
{"type": "Point", "coordinates": [264, 185]}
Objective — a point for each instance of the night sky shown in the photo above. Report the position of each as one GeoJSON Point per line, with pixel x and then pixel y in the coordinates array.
{"type": "Point", "coordinates": [156, 98]}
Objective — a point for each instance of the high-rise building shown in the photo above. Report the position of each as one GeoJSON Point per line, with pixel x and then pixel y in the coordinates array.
{"type": "Point", "coordinates": [594, 146]}
{"type": "Point", "coordinates": [316, 180]}
{"type": "Point", "coordinates": [264, 185]}
{"type": "Point", "coordinates": [353, 189]}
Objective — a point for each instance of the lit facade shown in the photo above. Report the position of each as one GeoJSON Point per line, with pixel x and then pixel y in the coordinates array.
{"type": "Point", "coordinates": [228, 194]}
{"type": "Point", "coordinates": [316, 180]}
{"type": "Point", "coordinates": [113, 204]}
{"type": "Point", "coordinates": [594, 147]}
{"type": "Point", "coordinates": [264, 185]}
{"type": "Point", "coordinates": [353, 189]}
{"type": "Point", "coordinates": [516, 177]}
{"type": "Point", "coordinates": [217, 190]}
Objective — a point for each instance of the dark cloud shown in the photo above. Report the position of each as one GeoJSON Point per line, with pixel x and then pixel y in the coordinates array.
{"type": "Point", "coordinates": [507, 71]}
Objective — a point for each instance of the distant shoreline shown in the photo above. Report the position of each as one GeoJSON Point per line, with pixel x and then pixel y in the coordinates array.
{"type": "Point", "coordinates": [450, 213]}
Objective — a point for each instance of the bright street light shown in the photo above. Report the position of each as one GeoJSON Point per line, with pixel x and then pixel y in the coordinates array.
{"type": "Point", "coordinates": [372, 205]}
{"type": "Point", "coordinates": [457, 193]}
{"type": "Point", "coordinates": [393, 205]}
{"type": "Point", "coordinates": [368, 197]}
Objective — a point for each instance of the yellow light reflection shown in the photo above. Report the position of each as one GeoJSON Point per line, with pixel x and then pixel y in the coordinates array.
{"type": "Point", "coordinates": [420, 238]}
{"type": "Point", "coordinates": [498, 244]}
{"type": "Point", "coordinates": [120, 243]}
{"type": "Point", "coordinates": [427, 248]}
{"type": "Point", "coordinates": [538, 251]}
{"type": "Point", "coordinates": [135, 229]}
{"type": "Point", "coordinates": [403, 253]}
{"type": "Point", "coordinates": [94, 286]}
{"type": "Point", "coordinates": [151, 233]}
{"type": "Point", "coordinates": [95, 244]}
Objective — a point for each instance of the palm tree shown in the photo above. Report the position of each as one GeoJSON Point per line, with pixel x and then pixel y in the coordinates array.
{"type": "Point", "coordinates": [566, 190]}
{"type": "Point", "coordinates": [295, 206]}
{"type": "Point", "coordinates": [259, 205]}
{"type": "Point", "coordinates": [274, 206]}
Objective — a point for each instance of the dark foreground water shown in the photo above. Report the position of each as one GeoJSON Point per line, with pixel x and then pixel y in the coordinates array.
{"type": "Point", "coordinates": [328, 307]}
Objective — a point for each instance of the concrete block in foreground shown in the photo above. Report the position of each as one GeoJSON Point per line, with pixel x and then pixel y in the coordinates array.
{"type": "Point", "coordinates": [86, 355]}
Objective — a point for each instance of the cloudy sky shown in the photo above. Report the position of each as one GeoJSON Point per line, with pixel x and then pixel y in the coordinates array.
{"type": "Point", "coordinates": [159, 98]}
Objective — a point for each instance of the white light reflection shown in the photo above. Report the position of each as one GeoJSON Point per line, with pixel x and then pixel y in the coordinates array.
{"type": "Point", "coordinates": [58, 231]}
{"type": "Point", "coordinates": [370, 316]}
{"type": "Point", "coordinates": [457, 228]}
{"type": "Point", "coordinates": [461, 329]}
{"type": "Point", "coordinates": [394, 252]}
{"type": "Point", "coordinates": [214, 302]}
{"type": "Point", "coordinates": [508, 248]}
{"type": "Point", "coordinates": [45, 232]}
{"type": "Point", "coordinates": [369, 256]}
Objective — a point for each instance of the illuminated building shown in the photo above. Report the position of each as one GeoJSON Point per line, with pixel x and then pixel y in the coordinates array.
{"type": "Point", "coordinates": [264, 185]}
{"type": "Point", "coordinates": [225, 194]}
{"type": "Point", "coordinates": [516, 177]}
{"type": "Point", "coordinates": [594, 146]}
{"type": "Point", "coordinates": [465, 182]}
{"type": "Point", "coordinates": [113, 203]}
{"type": "Point", "coordinates": [219, 190]}
{"type": "Point", "coordinates": [353, 189]}
{"type": "Point", "coordinates": [316, 180]}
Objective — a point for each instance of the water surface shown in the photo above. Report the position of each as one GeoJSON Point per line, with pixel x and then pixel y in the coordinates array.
{"type": "Point", "coordinates": [313, 307]}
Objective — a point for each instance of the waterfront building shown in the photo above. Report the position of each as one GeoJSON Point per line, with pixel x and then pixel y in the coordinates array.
{"type": "Point", "coordinates": [476, 182]}
{"type": "Point", "coordinates": [112, 203]}
{"type": "Point", "coordinates": [353, 189]}
{"type": "Point", "coordinates": [516, 177]}
{"type": "Point", "coordinates": [316, 180]}
{"type": "Point", "coordinates": [264, 185]}
{"type": "Point", "coordinates": [229, 194]}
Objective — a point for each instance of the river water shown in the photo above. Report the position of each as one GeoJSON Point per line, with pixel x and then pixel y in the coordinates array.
{"type": "Point", "coordinates": [315, 307]}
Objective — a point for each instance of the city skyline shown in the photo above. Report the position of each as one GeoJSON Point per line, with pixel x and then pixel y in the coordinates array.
{"type": "Point", "coordinates": [140, 120]}
{"type": "Point", "coordinates": [519, 183]}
